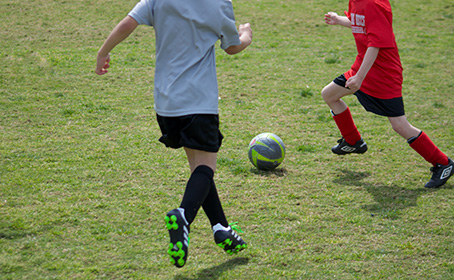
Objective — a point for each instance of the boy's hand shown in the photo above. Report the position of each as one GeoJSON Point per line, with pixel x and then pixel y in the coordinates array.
{"type": "Point", "coordinates": [245, 28]}
{"type": "Point", "coordinates": [331, 18]}
{"type": "Point", "coordinates": [245, 33]}
{"type": "Point", "coordinates": [102, 63]}
{"type": "Point", "coordinates": [354, 83]}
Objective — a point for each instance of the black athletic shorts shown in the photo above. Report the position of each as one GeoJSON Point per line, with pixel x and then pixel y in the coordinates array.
{"type": "Point", "coordinates": [393, 107]}
{"type": "Point", "coordinates": [199, 132]}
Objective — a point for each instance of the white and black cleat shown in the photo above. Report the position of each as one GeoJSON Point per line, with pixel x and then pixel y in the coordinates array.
{"type": "Point", "coordinates": [440, 174]}
{"type": "Point", "coordinates": [344, 148]}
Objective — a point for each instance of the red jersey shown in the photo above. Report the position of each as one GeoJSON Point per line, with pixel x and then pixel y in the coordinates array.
{"type": "Point", "coordinates": [371, 24]}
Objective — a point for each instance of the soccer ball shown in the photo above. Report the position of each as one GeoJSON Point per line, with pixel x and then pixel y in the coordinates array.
{"type": "Point", "coordinates": [266, 151]}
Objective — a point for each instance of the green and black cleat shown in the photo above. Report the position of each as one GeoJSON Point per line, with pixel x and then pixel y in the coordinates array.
{"type": "Point", "coordinates": [229, 240]}
{"type": "Point", "coordinates": [179, 237]}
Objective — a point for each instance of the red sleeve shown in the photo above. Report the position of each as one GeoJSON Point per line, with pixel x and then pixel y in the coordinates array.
{"type": "Point", "coordinates": [347, 14]}
{"type": "Point", "coordinates": [379, 28]}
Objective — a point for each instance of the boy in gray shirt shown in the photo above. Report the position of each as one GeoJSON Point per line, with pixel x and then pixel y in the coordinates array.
{"type": "Point", "coordinates": [186, 101]}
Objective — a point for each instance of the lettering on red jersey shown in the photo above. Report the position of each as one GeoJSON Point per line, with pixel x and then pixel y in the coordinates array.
{"type": "Point", "coordinates": [358, 23]}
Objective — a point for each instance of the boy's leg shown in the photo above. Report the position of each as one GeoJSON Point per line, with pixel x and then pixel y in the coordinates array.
{"type": "Point", "coordinates": [178, 220]}
{"type": "Point", "coordinates": [211, 203]}
{"type": "Point", "coordinates": [213, 208]}
{"type": "Point", "coordinates": [199, 157]}
{"type": "Point", "coordinates": [332, 95]}
{"type": "Point", "coordinates": [347, 127]}
{"type": "Point", "coordinates": [443, 166]}
{"type": "Point", "coordinates": [202, 131]}
{"type": "Point", "coordinates": [419, 141]}
{"type": "Point", "coordinates": [403, 127]}
{"type": "Point", "coordinates": [224, 235]}
{"type": "Point", "coordinates": [197, 189]}
{"type": "Point", "coordinates": [423, 145]}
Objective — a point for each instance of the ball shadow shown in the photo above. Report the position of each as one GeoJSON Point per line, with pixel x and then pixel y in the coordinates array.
{"type": "Point", "coordinates": [280, 172]}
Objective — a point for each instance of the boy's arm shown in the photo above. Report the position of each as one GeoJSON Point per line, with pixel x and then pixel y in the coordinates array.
{"type": "Point", "coordinates": [354, 83]}
{"type": "Point", "coordinates": [118, 34]}
{"type": "Point", "coordinates": [332, 18]}
{"type": "Point", "coordinates": [245, 33]}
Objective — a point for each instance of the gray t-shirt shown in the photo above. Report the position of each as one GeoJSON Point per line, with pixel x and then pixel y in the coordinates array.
{"type": "Point", "coordinates": [186, 31]}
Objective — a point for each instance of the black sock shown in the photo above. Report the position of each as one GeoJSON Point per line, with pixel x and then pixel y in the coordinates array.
{"type": "Point", "coordinates": [213, 208]}
{"type": "Point", "coordinates": [197, 189]}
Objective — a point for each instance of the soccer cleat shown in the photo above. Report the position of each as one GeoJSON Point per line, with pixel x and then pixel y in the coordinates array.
{"type": "Point", "coordinates": [440, 174]}
{"type": "Point", "coordinates": [228, 239]}
{"type": "Point", "coordinates": [344, 148]}
{"type": "Point", "coordinates": [179, 237]}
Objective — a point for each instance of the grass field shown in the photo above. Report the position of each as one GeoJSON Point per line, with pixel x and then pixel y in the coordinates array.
{"type": "Point", "coordinates": [85, 184]}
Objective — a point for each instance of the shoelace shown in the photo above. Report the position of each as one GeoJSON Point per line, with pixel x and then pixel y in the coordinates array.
{"type": "Point", "coordinates": [435, 168]}
{"type": "Point", "coordinates": [236, 227]}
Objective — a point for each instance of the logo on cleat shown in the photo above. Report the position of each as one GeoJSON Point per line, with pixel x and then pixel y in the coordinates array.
{"type": "Point", "coordinates": [348, 149]}
{"type": "Point", "coordinates": [446, 173]}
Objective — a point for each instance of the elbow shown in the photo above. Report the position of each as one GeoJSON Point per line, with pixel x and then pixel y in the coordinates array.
{"type": "Point", "coordinates": [232, 50]}
{"type": "Point", "coordinates": [245, 40]}
{"type": "Point", "coordinates": [238, 48]}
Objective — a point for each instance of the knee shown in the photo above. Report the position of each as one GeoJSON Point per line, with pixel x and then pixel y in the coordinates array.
{"type": "Point", "coordinates": [332, 93]}
{"type": "Point", "coordinates": [327, 97]}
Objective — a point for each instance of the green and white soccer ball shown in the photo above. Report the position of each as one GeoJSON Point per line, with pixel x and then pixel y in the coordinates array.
{"type": "Point", "coordinates": [266, 151]}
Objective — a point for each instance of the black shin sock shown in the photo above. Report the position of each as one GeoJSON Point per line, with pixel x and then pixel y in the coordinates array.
{"type": "Point", "coordinates": [197, 189]}
{"type": "Point", "coordinates": [213, 208]}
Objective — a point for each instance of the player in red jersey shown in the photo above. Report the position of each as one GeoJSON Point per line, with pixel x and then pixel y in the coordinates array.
{"type": "Point", "coordinates": [375, 78]}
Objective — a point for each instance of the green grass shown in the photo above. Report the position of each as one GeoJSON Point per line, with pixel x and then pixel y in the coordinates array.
{"type": "Point", "coordinates": [84, 183]}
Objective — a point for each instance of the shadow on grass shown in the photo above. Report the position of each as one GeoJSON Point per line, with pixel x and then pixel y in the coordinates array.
{"type": "Point", "coordinates": [280, 172]}
{"type": "Point", "coordinates": [215, 272]}
{"type": "Point", "coordinates": [388, 199]}
{"type": "Point", "coordinates": [12, 234]}
{"type": "Point", "coordinates": [16, 229]}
